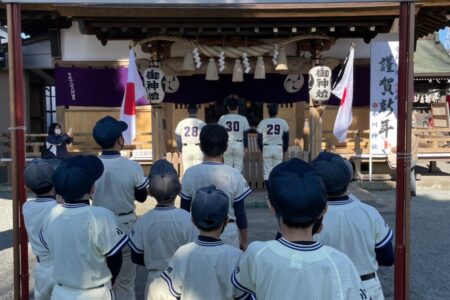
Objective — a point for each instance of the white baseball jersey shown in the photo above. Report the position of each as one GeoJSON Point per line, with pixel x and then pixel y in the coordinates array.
{"type": "Point", "coordinates": [236, 125]}
{"type": "Point", "coordinates": [159, 233]}
{"type": "Point", "coordinates": [223, 177]}
{"type": "Point", "coordinates": [35, 212]}
{"type": "Point", "coordinates": [202, 270]}
{"type": "Point", "coordinates": [282, 269]}
{"type": "Point", "coordinates": [355, 229]}
{"type": "Point", "coordinates": [115, 188]}
{"type": "Point", "coordinates": [189, 130]}
{"type": "Point", "coordinates": [79, 238]}
{"type": "Point", "coordinates": [272, 130]}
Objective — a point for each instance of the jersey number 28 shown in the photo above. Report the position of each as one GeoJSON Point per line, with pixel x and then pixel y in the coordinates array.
{"type": "Point", "coordinates": [191, 131]}
{"type": "Point", "coordinates": [273, 129]}
{"type": "Point", "coordinates": [232, 126]}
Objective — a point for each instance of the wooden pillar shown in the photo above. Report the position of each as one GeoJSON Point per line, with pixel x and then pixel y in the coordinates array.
{"type": "Point", "coordinates": [300, 124]}
{"type": "Point", "coordinates": [315, 127]}
{"type": "Point", "coordinates": [158, 141]}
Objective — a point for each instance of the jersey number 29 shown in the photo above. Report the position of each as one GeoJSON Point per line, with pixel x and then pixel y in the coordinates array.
{"type": "Point", "coordinates": [191, 131]}
{"type": "Point", "coordinates": [232, 126]}
{"type": "Point", "coordinates": [273, 129]}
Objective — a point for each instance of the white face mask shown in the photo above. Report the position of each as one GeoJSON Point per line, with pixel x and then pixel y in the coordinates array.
{"type": "Point", "coordinates": [57, 131]}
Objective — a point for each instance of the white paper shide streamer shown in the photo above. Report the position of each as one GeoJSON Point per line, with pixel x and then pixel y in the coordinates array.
{"type": "Point", "coordinates": [221, 61]}
{"type": "Point", "coordinates": [275, 55]}
{"type": "Point", "coordinates": [198, 61]}
{"type": "Point", "coordinates": [246, 63]}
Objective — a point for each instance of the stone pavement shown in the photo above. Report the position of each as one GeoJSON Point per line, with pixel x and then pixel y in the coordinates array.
{"type": "Point", "coordinates": [430, 239]}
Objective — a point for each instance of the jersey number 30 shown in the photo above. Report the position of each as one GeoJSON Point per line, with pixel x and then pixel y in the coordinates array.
{"type": "Point", "coordinates": [232, 126]}
{"type": "Point", "coordinates": [273, 129]}
{"type": "Point", "coordinates": [191, 131]}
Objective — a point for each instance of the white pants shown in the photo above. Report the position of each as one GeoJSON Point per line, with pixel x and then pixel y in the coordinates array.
{"type": "Point", "coordinates": [124, 285]}
{"type": "Point", "coordinates": [43, 279]}
{"type": "Point", "coordinates": [151, 276]}
{"type": "Point", "coordinates": [191, 156]}
{"type": "Point", "coordinates": [373, 288]}
{"type": "Point", "coordinates": [230, 235]}
{"type": "Point", "coordinates": [159, 290]}
{"type": "Point", "coordinates": [272, 156]}
{"type": "Point", "coordinates": [234, 156]}
{"type": "Point", "coordinates": [66, 293]}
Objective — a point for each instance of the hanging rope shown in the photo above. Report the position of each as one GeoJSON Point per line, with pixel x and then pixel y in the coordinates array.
{"type": "Point", "coordinates": [232, 52]}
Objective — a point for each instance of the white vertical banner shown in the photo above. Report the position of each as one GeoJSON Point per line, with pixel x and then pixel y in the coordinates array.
{"type": "Point", "coordinates": [383, 96]}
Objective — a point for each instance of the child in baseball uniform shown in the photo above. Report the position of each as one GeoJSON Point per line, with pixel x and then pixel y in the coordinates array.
{"type": "Point", "coordinates": [84, 241]}
{"type": "Point", "coordinates": [295, 266]}
{"type": "Point", "coordinates": [202, 270]}
{"type": "Point", "coordinates": [122, 182]}
{"type": "Point", "coordinates": [237, 127]}
{"type": "Point", "coordinates": [38, 179]}
{"type": "Point", "coordinates": [353, 227]}
{"type": "Point", "coordinates": [273, 139]}
{"type": "Point", "coordinates": [162, 230]}
{"type": "Point", "coordinates": [187, 135]}
{"type": "Point", "coordinates": [213, 142]}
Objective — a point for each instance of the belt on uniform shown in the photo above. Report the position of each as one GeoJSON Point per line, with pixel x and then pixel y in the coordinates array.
{"type": "Point", "coordinates": [38, 259]}
{"type": "Point", "coordinates": [273, 145]}
{"type": "Point", "coordinates": [239, 141]}
{"type": "Point", "coordinates": [95, 287]}
{"type": "Point", "coordinates": [196, 144]}
{"type": "Point", "coordinates": [231, 221]}
{"type": "Point", "coordinates": [126, 214]}
{"type": "Point", "coordinates": [368, 276]}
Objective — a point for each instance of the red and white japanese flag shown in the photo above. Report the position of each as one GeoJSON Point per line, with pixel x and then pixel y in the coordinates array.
{"type": "Point", "coordinates": [134, 91]}
{"type": "Point", "coordinates": [344, 91]}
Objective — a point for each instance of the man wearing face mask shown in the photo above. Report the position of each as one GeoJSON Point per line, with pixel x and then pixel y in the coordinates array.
{"type": "Point", "coordinates": [121, 183]}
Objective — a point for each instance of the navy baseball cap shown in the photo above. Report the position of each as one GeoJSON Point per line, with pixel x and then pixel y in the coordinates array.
{"type": "Point", "coordinates": [297, 192]}
{"type": "Point", "coordinates": [163, 183]}
{"type": "Point", "coordinates": [107, 130]}
{"type": "Point", "coordinates": [76, 176]}
{"type": "Point", "coordinates": [38, 175]}
{"type": "Point", "coordinates": [335, 172]}
{"type": "Point", "coordinates": [209, 208]}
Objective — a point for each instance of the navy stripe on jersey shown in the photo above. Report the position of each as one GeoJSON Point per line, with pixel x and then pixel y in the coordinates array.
{"type": "Point", "coordinates": [212, 163]}
{"type": "Point", "coordinates": [185, 197]}
{"type": "Point", "coordinates": [339, 202]}
{"type": "Point", "coordinates": [160, 207]}
{"type": "Point", "coordinates": [386, 239]}
{"type": "Point", "coordinates": [41, 238]}
{"type": "Point", "coordinates": [244, 296]}
{"type": "Point", "coordinates": [209, 244]}
{"type": "Point", "coordinates": [239, 286]}
{"type": "Point", "coordinates": [143, 185]}
{"type": "Point", "coordinates": [73, 205]}
{"type": "Point", "coordinates": [169, 283]}
{"type": "Point", "coordinates": [44, 199]}
{"type": "Point", "coordinates": [118, 246]}
{"type": "Point", "coordinates": [299, 247]}
{"type": "Point", "coordinates": [134, 247]}
{"type": "Point", "coordinates": [243, 195]}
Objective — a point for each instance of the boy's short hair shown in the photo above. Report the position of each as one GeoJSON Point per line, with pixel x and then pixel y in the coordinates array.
{"type": "Point", "coordinates": [38, 176]}
{"type": "Point", "coordinates": [213, 140]}
{"type": "Point", "coordinates": [192, 109]}
{"type": "Point", "coordinates": [209, 208]}
{"type": "Point", "coordinates": [272, 109]}
{"type": "Point", "coordinates": [336, 173]}
{"type": "Point", "coordinates": [164, 184]}
{"type": "Point", "coordinates": [232, 103]}
{"type": "Point", "coordinates": [297, 193]}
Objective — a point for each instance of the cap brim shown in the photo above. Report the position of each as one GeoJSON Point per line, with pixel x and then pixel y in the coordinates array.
{"type": "Point", "coordinates": [123, 125]}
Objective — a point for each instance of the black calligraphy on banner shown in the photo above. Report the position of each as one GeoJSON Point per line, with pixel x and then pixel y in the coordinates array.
{"type": "Point", "coordinates": [386, 106]}
{"type": "Point", "coordinates": [385, 127]}
{"type": "Point", "coordinates": [387, 64]}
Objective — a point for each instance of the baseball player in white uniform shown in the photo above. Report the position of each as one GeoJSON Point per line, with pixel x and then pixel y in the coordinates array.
{"type": "Point", "coordinates": [38, 179]}
{"type": "Point", "coordinates": [213, 142]}
{"type": "Point", "coordinates": [162, 230]}
{"type": "Point", "coordinates": [122, 182]}
{"type": "Point", "coordinates": [294, 266]}
{"type": "Point", "coordinates": [187, 134]}
{"type": "Point", "coordinates": [355, 228]}
{"type": "Point", "coordinates": [202, 270]}
{"type": "Point", "coordinates": [84, 241]}
{"type": "Point", "coordinates": [273, 139]}
{"type": "Point", "coordinates": [237, 127]}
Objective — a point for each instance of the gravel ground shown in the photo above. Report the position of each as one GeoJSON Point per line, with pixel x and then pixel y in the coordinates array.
{"type": "Point", "coordinates": [430, 239]}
